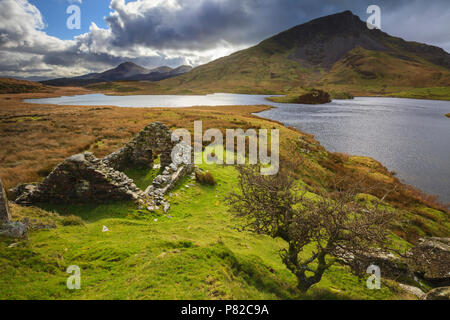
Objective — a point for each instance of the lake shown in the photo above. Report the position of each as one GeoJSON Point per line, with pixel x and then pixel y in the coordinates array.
{"type": "Point", "coordinates": [409, 136]}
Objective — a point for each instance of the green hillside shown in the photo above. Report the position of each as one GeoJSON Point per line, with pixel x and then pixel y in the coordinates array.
{"type": "Point", "coordinates": [12, 86]}
{"type": "Point", "coordinates": [197, 250]}
{"type": "Point", "coordinates": [196, 254]}
{"type": "Point", "coordinates": [335, 53]}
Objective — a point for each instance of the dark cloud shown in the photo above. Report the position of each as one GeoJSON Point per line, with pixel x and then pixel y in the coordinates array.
{"type": "Point", "coordinates": [174, 32]}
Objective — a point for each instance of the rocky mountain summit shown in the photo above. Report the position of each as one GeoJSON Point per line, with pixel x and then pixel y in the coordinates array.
{"type": "Point", "coordinates": [336, 52]}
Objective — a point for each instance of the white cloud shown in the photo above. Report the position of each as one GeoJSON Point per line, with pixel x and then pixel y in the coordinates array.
{"type": "Point", "coordinates": [175, 32]}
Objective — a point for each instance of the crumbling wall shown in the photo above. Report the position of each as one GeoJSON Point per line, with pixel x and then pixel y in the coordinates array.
{"type": "Point", "coordinates": [153, 140]}
{"type": "Point", "coordinates": [81, 178]}
{"type": "Point", "coordinates": [181, 166]}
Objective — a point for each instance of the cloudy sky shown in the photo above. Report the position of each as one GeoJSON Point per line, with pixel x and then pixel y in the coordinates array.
{"type": "Point", "coordinates": [35, 39]}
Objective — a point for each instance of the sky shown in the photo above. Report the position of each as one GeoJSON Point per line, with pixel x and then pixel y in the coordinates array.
{"type": "Point", "coordinates": [35, 40]}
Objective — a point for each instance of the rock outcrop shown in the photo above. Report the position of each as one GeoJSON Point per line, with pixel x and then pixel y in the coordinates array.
{"type": "Point", "coordinates": [81, 178]}
{"type": "Point", "coordinates": [5, 215]}
{"type": "Point", "coordinates": [154, 140]}
{"type": "Point", "coordinates": [431, 260]}
{"type": "Point", "coordinates": [13, 230]}
{"type": "Point", "coordinates": [442, 293]}
{"type": "Point", "coordinates": [412, 290]}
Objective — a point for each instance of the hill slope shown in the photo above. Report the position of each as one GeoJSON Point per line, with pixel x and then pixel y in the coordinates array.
{"type": "Point", "coordinates": [198, 250]}
{"type": "Point", "coordinates": [332, 52]}
{"type": "Point", "coordinates": [10, 85]}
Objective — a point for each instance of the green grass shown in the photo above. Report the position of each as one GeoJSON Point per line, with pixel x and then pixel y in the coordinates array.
{"type": "Point", "coordinates": [269, 68]}
{"type": "Point", "coordinates": [196, 253]}
{"type": "Point", "coordinates": [142, 177]}
{"type": "Point", "coordinates": [434, 93]}
{"type": "Point", "coordinates": [284, 99]}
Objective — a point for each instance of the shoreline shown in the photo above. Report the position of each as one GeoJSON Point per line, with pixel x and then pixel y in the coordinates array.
{"type": "Point", "coordinates": [74, 91]}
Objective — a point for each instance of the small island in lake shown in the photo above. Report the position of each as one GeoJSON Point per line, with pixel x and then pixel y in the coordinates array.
{"type": "Point", "coordinates": [311, 96]}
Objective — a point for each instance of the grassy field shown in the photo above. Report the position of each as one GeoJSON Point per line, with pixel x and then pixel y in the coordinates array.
{"type": "Point", "coordinates": [434, 93]}
{"type": "Point", "coordinates": [197, 251]}
{"type": "Point", "coordinates": [9, 85]}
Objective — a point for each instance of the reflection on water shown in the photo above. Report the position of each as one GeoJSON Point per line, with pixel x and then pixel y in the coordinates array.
{"type": "Point", "coordinates": [411, 137]}
{"type": "Point", "coordinates": [168, 101]}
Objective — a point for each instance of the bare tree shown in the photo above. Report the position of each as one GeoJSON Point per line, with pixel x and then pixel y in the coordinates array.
{"type": "Point", "coordinates": [333, 224]}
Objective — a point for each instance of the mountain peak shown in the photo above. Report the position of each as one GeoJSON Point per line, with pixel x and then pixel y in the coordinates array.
{"type": "Point", "coordinates": [127, 63]}
{"type": "Point", "coordinates": [128, 66]}
{"type": "Point", "coordinates": [324, 41]}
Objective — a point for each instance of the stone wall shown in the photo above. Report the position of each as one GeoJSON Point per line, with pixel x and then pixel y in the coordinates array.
{"type": "Point", "coordinates": [181, 166]}
{"type": "Point", "coordinates": [5, 215]}
{"type": "Point", "coordinates": [81, 178]}
{"type": "Point", "coordinates": [153, 140]}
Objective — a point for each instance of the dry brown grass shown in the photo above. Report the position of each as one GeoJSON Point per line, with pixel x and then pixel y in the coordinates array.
{"type": "Point", "coordinates": [9, 85]}
{"type": "Point", "coordinates": [35, 138]}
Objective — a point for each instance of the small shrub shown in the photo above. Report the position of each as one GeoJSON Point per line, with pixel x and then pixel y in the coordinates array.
{"type": "Point", "coordinates": [72, 221]}
{"type": "Point", "coordinates": [205, 178]}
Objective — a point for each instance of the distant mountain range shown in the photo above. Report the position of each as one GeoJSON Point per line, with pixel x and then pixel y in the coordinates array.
{"type": "Point", "coordinates": [336, 52]}
{"type": "Point", "coordinates": [125, 71]}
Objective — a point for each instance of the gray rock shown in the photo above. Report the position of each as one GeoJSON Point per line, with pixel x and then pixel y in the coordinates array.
{"type": "Point", "coordinates": [13, 230]}
{"type": "Point", "coordinates": [5, 215]}
{"type": "Point", "coordinates": [441, 293]}
{"type": "Point", "coordinates": [431, 259]}
{"type": "Point", "coordinates": [166, 207]}
{"type": "Point", "coordinates": [412, 290]}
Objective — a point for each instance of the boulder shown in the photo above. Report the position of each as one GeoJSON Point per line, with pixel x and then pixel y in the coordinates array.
{"type": "Point", "coordinates": [13, 230]}
{"type": "Point", "coordinates": [442, 293]}
{"type": "Point", "coordinates": [391, 266]}
{"type": "Point", "coordinates": [412, 290]}
{"type": "Point", "coordinates": [5, 215]}
{"type": "Point", "coordinates": [431, 260]}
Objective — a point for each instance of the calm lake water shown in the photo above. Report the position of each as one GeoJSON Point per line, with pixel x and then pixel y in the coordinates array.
{"type": "Point", "coordinates": [411, 137]}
